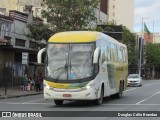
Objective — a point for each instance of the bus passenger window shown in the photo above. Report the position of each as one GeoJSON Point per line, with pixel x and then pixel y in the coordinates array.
{"type": "Point", "coordinates": [120, 56]}
{"type": "Point", "coordinates": [125, 55]}
{"type": "Point", "coordinates": [108, 53]}
{"type": "Point", "coordinates": [103, 54]}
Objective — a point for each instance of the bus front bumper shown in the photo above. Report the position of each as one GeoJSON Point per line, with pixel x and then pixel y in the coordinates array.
{"type": "Point", "coordinates": [71, 94]}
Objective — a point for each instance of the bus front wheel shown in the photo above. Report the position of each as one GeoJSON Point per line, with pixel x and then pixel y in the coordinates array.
{"type": "Point", "coordinates": [58, 102]}
{"type": "Point", "coordinates": [99, 101]}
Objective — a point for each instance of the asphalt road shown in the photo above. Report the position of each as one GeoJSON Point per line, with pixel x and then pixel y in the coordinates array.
{"type": "Point", "coordinates": [145, 98]}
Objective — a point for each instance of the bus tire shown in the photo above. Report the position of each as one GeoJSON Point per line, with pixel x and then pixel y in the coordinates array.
{"type": "Point", "coordinates": [99, 101]}
{"type": "Point", "coordinates": [120, 93]}
{"type": "Point", "coordinates": [58, 102]}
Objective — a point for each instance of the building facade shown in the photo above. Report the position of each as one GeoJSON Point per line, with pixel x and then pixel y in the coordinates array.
{"type": "Point", "coordinates": [19, 5]}
{"type": "Point", "coordinates": [121, 12]}
{"type": "Point", "coordinates": [13, 43]}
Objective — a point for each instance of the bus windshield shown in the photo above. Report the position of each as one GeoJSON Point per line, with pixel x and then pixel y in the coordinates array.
{"type": "Point", "coordinates": [69, 61]}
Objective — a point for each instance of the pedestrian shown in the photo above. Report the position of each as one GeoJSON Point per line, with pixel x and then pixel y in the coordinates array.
{"type": "Point", "coordinates": [38, 82]}
{"type": "Point", "coordinates": [25, 83]}
{"type": "Point", "coordinates": [41, 81]}
{"type": "Point", "coordinates": [32, 82]}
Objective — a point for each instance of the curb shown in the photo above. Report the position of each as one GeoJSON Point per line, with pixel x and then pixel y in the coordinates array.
{"type": "Point", "coordinates": [16, 96]}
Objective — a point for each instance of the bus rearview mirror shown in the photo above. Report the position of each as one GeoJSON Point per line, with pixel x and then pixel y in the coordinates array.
{"type": "Point", "coordinates": [39, 56]}
{"type": "Point", "coordinates": [96, 55]}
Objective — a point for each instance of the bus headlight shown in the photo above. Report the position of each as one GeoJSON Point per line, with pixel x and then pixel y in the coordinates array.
{"type": "Point", "coordinates": [90, 85]}
{"type": "Point", "coordinates": [47, 87]}
{"type": "Point", "coordinates": [45, 84]}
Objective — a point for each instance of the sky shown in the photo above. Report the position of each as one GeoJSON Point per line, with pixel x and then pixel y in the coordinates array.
{"type": "Point", "coordinates": [149, 10]}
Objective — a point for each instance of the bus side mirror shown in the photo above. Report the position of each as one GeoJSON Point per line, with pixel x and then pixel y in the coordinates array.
{"type": "Point", "coordinates": [39, 56]}
{"type": "Point", "coordinates": [96, 55]}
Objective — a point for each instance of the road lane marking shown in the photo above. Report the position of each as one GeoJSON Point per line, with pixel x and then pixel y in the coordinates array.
{"type": "Point", "coordinates": [132, 104]}
{"type": "Point", "coordinates": [130, 89]}
{"type": "Point", "coordinates": [147, 98]}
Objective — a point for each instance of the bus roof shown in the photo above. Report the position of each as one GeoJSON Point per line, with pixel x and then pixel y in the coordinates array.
{"type": "Point", "coordinates": [80, 37]}
{"type": "Point", "coordinates": [74, 37]}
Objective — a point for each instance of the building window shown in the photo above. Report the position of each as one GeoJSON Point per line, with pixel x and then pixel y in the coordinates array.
{"type": "Point", "coordinates": [20, 42]}
{"type": "Point", "coordinates": [3, 11]}
{"type": "Point", "coordinates": [113, 6]}
{"type": "Point", "coordinates": [103, 6]}
{"type": "Point", "coordinates": [7, 38]}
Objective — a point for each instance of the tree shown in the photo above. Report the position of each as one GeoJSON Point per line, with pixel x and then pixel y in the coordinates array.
{"type": "Point", "coordinates": [129, 39]}
{"type": "Point", "coordinates": [65, 15]}
{"type": "Point", "coordinates": [39, 31]}
{"type": "Point", "coordinates": [152, 55]}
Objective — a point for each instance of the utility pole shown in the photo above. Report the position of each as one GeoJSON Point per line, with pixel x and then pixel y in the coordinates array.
{"type": "Point", "coordinates": [141, 47]}
{"type": "Point", "coordinates": [153, 33]}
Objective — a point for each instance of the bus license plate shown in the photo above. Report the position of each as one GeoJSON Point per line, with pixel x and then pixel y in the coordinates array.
{"type": "Point", "coordinates": [67, 95]}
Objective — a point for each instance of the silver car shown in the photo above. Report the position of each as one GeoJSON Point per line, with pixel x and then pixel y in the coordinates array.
{"type": "Point", "coordinates": [134, 80]}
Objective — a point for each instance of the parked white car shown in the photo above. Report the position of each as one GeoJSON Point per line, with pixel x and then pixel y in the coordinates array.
{"type": "Point", "coordinates": [134, 80]}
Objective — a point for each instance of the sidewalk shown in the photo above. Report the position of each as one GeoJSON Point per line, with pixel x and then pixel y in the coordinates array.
{"type": "Point", "coordinates": [16, 91]}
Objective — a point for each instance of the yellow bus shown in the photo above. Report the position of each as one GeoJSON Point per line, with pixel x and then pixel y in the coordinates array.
{"type": "Point", "coordinates": [84, 65]}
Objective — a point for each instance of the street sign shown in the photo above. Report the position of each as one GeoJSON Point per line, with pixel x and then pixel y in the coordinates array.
{"type": "Point", "coordinates": [25, 58]}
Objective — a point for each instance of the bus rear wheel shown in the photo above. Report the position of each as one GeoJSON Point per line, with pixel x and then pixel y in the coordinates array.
{"type": "Point", "coordinates": [120, 93]}
{"type": "Point", "coordinates": [58, 102]}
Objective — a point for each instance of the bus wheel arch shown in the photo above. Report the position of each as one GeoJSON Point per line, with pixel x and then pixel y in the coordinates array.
{"type": "Point", "coordinates": [122, 84]}
{"type": "Point", "coordinates": [99, 101]}
{"type": "Point", "coordinates": [120, 92]}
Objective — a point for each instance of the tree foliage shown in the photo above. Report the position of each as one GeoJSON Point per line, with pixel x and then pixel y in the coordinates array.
{"type": "Point", "coordinates": [152, 55]}
{"type": "Point", "coordinates": [39, 31]}
{"type": "Point", "coordinates": [129, 39]}
{"type": "Point", "coordinates": [65, 15]}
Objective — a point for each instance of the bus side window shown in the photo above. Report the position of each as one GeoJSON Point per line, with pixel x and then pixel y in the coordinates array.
{"type": "Point", "coordinates": [121, 50]}
{"type": "Point", "coordinates": [109, 52]}
{"type": "Point", "coordinates": [103, 54]}
{"type": "Point", "coordinates": [125, 55]}
{"type": "Point", "coordinates": [113, 57]}
{"type": "Point", "coordinates": [124, 60]}
{"type": "Point", "coordinates": [106, 52]}
{"type": "Point", "coordinates": [120, 56]}
{"type": "Point", "coordinates": [116, 52]}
